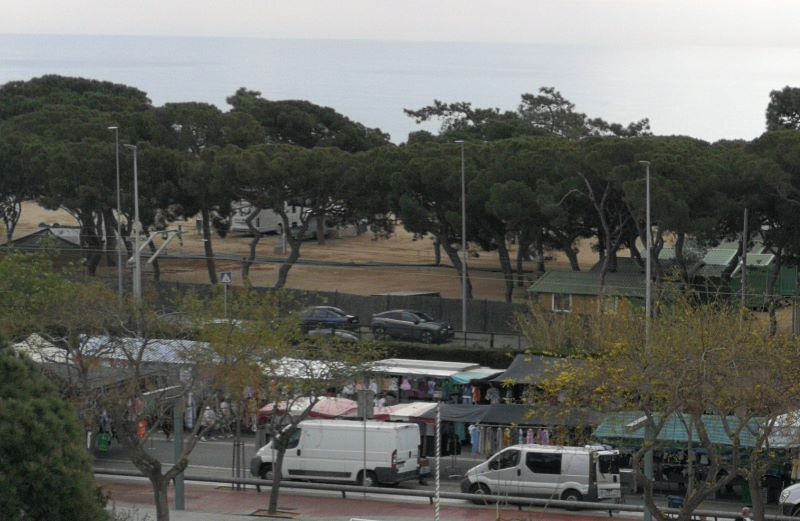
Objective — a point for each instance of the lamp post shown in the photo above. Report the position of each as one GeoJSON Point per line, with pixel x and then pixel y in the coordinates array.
{"type": "Point", "coordinates": [463, 245]}
{"type": "Point", "coordinates": [137, 266]}
{"type": "Point", "coordinates": [648, 457]}
{"type": "Point", "coordinates": [119, 216]}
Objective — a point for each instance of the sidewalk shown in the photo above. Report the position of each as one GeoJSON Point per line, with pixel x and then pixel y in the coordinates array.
{"type": "Point", "coordinates": [207, 503]}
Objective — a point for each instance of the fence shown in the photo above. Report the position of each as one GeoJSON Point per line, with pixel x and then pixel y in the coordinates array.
{"type": "Point", "coordinates": [483, 316]}
{"type": "Point", "coordinates": [520, 502]}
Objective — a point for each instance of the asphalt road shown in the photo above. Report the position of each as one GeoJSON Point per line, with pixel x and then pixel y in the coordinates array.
{"type": "Point", "coordinates": [214, 458]}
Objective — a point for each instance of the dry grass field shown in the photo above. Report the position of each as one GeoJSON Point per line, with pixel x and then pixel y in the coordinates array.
{"type": "Point", "coordinates": [415, 256]}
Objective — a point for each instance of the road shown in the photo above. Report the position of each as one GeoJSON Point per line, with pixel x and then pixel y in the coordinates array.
{"type": "Point", "coordinates": [214, 458]}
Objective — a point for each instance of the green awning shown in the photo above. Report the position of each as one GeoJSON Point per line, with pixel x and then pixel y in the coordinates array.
{"type": "Point", "coordinates": [624, 426]}
{"type": "Point", "coordinates": [480, 373]}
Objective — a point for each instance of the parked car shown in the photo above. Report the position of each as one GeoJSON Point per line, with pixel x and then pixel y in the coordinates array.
{"type": "Point", "coordinates": [339, 334]}
{"type": "Point", "coordinates": [410, 324]}
{"type": "Point", "coordinates": [327, 317]}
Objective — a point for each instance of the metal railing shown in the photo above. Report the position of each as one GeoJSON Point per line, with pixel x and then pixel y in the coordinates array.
{"type": "Point", "coordinates": [520, 502]}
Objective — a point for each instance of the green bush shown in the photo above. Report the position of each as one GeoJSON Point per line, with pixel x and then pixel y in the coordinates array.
{"type": "Point", "coordinates": [45, 472]}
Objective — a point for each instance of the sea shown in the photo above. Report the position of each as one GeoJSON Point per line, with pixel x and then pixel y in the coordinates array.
{"type": "Point", "coordinates": [707, 92]}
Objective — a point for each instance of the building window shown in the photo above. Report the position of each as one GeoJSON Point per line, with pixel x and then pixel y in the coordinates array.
{"type": "Point", "coordinates": [610, 304]}
{"type": "Point", "coordinates": [562, 303]}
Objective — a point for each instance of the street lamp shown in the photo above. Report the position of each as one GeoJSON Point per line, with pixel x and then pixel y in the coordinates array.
{"type": "Point", "coordinates": [119, 218]}
{"type": "Point", "coordinates": [463, 245]}
{"type": "Point", "coordinates": [137, 266]}
{"type": "Point", "coordinates": [648, 456]}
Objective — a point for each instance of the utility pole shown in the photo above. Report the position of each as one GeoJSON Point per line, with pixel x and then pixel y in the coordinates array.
{"type": "Point", "coordinates": [463, 244]}
{"type": "Point", "coordinates": [745, 241]}
{"type": "Point", "coordinates": [648, 457]}
{"type": "Point", "coordinates": [119, 219]}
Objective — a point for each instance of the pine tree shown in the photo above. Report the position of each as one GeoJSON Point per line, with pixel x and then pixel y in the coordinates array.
{"type": "Point", "coordinates": [45, 473]}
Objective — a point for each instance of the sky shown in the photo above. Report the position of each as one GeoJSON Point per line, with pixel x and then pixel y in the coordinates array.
{"type": "Point", "coordinates": [763, 23]}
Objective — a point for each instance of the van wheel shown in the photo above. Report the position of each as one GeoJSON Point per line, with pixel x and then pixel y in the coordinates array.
{"type": "Point", "coordinates": [368, 479]}
{"type": "Point", "coordinates": [482, 490]}
{"type": "Point", "coordinates": [571, 495]}
{"type": "Point", "coordinates": [265, 471]}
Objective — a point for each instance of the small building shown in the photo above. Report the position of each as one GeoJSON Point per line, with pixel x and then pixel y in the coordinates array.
{"type": "Point", "coordinates": [580, 291]}
{"type": "Point", "coordinates": [64, 241]}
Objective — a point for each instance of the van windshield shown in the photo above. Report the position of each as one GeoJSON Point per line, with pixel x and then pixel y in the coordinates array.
{"type": "Point", "coordinates": [608, 464]}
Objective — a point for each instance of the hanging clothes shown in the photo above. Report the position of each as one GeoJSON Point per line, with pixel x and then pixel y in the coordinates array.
{"type": "Point", "coordinates": [521, 436]}
{"type": "Point", "coordinates": [466, 395]}
{"type": "Point", "coordinates": [447, 388]}
{"type": "Point", "coordinates": [475, 438]}
{"type": "Point", "coordinates": [529, 436]}
{"type": "Point", "coordinates": [506, 437]}
{"type": "Point", "coordinates": [493, 395]}
{"type": "Point", "coordinates": [545, 437]}
{"type": "Point", "coordinates": [476, 394]}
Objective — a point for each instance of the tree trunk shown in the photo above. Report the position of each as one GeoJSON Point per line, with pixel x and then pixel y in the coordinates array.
{"type": "Point", "coordinates": [754, 482]}
{"type": "Point", "coordinates": [110, 233]}
{"type": "Point", "coordinates": [522, 251]}
{"type": "Point", "coordinates": [437, 252]}
{"type": "Point", "coordinates": [209, 250]}
{"type": "Point", "coordinates": [156, 266]}
{"type": "Point", "coordinates": [455, 259]}
{"type": "Point", "coordinates": [277, 468]}
{"type": "Point", "coordinates": [505, 265]}
{"type": "Point", "coordinates": [540, 251]}
{"type": "Point", "coordinates": [160, 494]}
{"type": "Point", "coordinates": [772, 299]}
{"type": "Point", "coordinates": [248, 261]}
{"type": "Point", "coordinates": [91, 242]}
{"type": "Point", "coordinates": [320, 230]}
{"type": "Point", "coordinates": [680, 242]}
{"type": "Point", "coordinates": [294, 241]}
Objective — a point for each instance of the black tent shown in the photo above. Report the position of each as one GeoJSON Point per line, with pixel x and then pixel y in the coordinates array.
{"type": "Point", "coordinates": [528, 369]}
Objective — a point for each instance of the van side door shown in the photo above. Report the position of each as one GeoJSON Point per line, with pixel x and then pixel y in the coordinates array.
{"type": "Point", "coordinates": [541, 474]}
{"type": "Point", "coordinates": [503, 474]}
{"type": "Point", "coordinates": [293, 461]}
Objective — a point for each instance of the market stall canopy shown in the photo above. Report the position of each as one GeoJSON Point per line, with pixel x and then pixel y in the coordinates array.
{"type": "Point", "coordinates": [629, 425]}
{"type": "Point", "coordinates": [528, 369]}
{"type": "Point", "coordinates": [786, 431]}
{"type": "Point", "coordinates": [481, 373]}
{"type": "Point", "coordinates": [406, 411]}
{"type": "Point", "coordinates": [325, 407]}
{"type": "Point", "coordinates": [433, 368]}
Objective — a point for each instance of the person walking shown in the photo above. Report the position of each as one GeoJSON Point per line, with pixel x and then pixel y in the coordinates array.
{"type": "Point", "coordinates": [209, 422]}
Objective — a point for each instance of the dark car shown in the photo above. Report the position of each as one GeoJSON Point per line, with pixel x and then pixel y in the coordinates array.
{"type": "Point", "coordinates": [338, 334]}
{"type": "Point", "coordinates": [327, 317]}
{"type": "Point", "coordinates": [410, 324]}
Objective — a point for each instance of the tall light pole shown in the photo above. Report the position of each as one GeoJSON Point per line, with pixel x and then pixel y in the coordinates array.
{"type": "Point", "coordinates": [119, 220]}
{"type": "Point", "coordinates": [137, 266]}
{"type": "Point", "coordinates": [648, 457]}
{"type": "Point", "coordinates": [463, 245]}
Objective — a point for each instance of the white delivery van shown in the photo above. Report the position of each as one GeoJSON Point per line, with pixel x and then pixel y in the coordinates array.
{"type": "Point", "coordinates": [334, 451]}
{"type": "Point", "coordinates": [269, 221]}
{"type": "Point", "coordinates": [568, 473]}
{"type": "Point", "coordinates": [789, 500]}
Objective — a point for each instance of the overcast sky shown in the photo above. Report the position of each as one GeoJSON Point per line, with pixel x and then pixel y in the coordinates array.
{"type": "Point", "coordinates": [631, 22]}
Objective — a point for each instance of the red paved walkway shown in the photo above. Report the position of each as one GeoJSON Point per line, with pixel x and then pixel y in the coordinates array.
{"type": "Point", "coordinates": [223, 500]}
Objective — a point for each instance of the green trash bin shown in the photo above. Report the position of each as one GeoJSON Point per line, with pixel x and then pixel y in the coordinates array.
{"type": "Point", "coordinates": [103, 441]}
{"type": "Point", "coordinates": [747, 499]}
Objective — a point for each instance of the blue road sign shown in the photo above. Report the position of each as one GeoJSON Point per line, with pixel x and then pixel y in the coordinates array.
{"type": "Point", "coordinates": [226, 277]}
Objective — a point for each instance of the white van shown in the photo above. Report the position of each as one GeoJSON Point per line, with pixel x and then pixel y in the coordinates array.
{"type": "Point", "coordinates": [268, 220]}
{"type": "Point", "coordinates": [334, 451]}
{"type": "Point", "coordinates": [568, 473]}
{"type": "Point", "coordinates": [789, 500]}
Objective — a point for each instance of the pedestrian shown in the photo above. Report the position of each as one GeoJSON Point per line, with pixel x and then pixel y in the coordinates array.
{"type": "Point", "coordinates": [209, 422]}
{"type": "Point", "coordinates": [745, 515]}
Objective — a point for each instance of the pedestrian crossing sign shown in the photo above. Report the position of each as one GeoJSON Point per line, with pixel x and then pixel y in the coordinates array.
{"type": "Point", "coordinates": [226, 277]}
